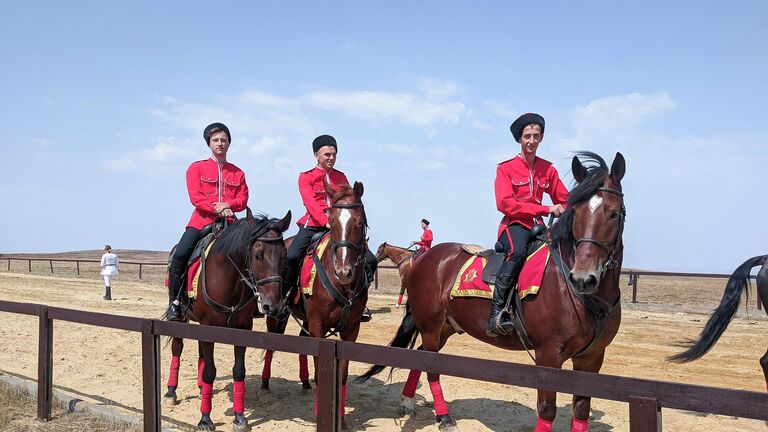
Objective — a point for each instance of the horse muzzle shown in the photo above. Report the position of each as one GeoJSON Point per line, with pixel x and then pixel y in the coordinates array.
{"type": "Point", "coordinates": [585, 282]}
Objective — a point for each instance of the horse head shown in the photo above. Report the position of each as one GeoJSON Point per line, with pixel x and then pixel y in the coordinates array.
{"type": "Point", "coordinates": [267, 257]}
{"type": "Point", "coordinates": [381, 252]}
{"type": "Point", "coordinates": [348, 229]}
{"type": "Point", "coordinates": [595, 216]}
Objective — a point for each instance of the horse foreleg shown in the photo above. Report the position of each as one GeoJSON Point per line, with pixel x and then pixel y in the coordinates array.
{"type": "Point", "coordinates": [546, 403]}
{"type": "Point", "coordinates": [206, 391]}
{"type": "Point", "coordinates": [240, 423]}
{"type": "Point", "coordinates": [273, 326]}
{"type": "Point", "coordinates": [592, 362]}
{"type": "Point", "coordinates": [434, 341]}
{"type": "Point", "coordinates": [200, 366]}
{"type": "Point", "coordinates": [304, 367]}
{"type": "Point", "coordinates": [177, 346]}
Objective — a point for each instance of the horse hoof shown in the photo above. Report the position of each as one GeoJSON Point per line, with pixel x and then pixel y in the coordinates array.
{"type": "Point", "coordinates": [406, 406]}
{"type": "Point", "coordinates": [240, 424]}
{"type": "Point", "coordinates": [305, 385]}
{"type": "Point", "coordinates": [206, 424]}
{"type": "Point", "coordinates": [170, 401]}
{"type": "Point", "coordinates": [265, 385]}
{"type": "Point", "coordinates": [446, 423]}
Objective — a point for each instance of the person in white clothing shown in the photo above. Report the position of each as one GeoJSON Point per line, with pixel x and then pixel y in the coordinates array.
{"type": "Point", "coordinates": [109, 268]}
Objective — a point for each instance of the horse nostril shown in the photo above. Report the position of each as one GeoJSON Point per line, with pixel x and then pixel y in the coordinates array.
{"type": "Point", "coordinates": [572, 278]}
{"type": "Point", "coordinates": [592, 281]}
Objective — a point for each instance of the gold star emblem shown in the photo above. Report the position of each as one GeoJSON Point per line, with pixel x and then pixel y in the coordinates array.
{"type": "Point", "coordinates": [471, 275]}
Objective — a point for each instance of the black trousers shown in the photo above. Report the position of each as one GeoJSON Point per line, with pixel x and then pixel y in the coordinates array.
{"type": "Point", "coordinates": [186, 245]}
{"type": "Point", "coordinates": [298, 250]}
{"type": "Point", "coordinates": [516, 258]}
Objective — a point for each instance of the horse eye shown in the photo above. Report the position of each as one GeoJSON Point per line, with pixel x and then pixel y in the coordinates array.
{"type": "Point", "coordinates": [614, 214]}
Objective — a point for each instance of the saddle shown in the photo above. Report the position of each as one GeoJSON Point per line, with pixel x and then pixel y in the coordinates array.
{"type": "Point", "coordinates": [495, 257]}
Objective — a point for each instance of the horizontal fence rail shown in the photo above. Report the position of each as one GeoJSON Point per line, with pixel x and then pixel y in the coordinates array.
{"type": "Point", "coordinates": [77, 262]}
{"type": "Point", "coordinates": [645, 397]}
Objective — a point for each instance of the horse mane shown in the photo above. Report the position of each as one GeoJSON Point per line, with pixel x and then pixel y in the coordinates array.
{"type": "Point", "coordinates": [343, 191]}
{"type": "Point", "coordinates": [597, 169]}
{"type": "Point", "coordinates": [240, 236]}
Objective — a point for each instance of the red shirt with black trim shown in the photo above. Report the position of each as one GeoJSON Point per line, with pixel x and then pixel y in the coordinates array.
{"type": "Point", "coordinates": [520, 188]}
{"type": "Point", "coordinates": [426, 240]}
{"type": "Point", "coordinates": [314, 197]}
{"type": "Point", "coordinates": [209, 182]}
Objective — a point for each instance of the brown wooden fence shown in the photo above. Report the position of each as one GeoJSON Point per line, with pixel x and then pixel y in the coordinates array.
{"type": "Point", "coordinates": [645, 398]}
{"type": "Point", "coordinates": [77, 262]}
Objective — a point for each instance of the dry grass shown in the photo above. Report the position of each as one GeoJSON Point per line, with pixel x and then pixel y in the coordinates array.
{"type": "Point", "coordinates": [18, 416]}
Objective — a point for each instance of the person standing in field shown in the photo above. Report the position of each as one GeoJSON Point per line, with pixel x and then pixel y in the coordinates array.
{"type": "Point", "coordinates": [110, 266]}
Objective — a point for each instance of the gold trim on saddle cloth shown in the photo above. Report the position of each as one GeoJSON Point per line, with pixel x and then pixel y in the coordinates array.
{"type": "Point", "coordinates": [195, 280]}
{"type": "Point", "coordinates": [307, 290]}
{"type": "Point", "coordinates": [455, 292]}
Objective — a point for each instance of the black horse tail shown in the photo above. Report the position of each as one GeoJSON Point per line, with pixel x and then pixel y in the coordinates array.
{"type": "Point", "coordinates": [405, 338]}
{"type": "Point", "coordinates": [722, 316]}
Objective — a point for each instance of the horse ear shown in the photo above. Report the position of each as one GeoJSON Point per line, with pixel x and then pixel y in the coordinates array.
{"type": "Point", "coordinates": [617, 168]}
{"type": "Point", "coordinates": [358, 189]}
{"type": "Point", "coordinates": [578, 170]}
{"type": "Point", "coordinates": [249, 216]}
{"type": "Point", "coordinates": [285, 222]}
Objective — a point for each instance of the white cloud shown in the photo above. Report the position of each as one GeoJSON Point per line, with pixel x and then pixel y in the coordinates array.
{"type": "Point", "coordinates": [619, 113]}
{"type": "Point", "coordinates": [164, 153]}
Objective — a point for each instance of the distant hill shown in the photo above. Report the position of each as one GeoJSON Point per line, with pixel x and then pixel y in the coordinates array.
{"type": "Point", "coordinates": [95, 254]}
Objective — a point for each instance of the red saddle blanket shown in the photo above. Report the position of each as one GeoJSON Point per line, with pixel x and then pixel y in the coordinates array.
{"type": "Point", "coordinates": [469, 281]}
{"type": "Point", "coordinates": [308, 270]}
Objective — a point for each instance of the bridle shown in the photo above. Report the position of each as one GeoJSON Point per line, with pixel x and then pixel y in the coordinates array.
{"type": "Point", "coordinates": [359, 247]}
{"type": "Point", "coordinates": [610, 263]}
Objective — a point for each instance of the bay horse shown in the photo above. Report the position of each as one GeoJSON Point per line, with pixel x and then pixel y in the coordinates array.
{"type": "Point", "coordinates": [737, 284]}
{"type": "Point", "coordinates": [244, 266]}
{"type": "Point", "coordinates": [401, 258]}
{"type": "Point", "coordinates": [340, 289]}
{"type": "Point", "coordinates": [575, 314]}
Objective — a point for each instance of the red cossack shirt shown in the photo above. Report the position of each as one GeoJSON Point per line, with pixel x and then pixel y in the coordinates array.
{"type": "Point", "coordinates": [209, 182]}
{"type": "Point", "coordinates": [426, 240]}
{"type": "Point", "coordinates": [520, 188]}
{"type": "Point", "coordinates": [314, 197]}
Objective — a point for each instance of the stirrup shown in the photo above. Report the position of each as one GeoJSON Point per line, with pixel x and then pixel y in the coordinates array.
{"type": "Point", "coordinates": [174, 313]}
{"type": "Point", "coordinates": [500, 327]}
{"type": "Point", "coordinates": [366, 315]}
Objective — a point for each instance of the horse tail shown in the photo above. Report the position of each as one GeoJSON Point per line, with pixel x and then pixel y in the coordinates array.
{"type": "Point", "coordinates": [405, 338]}
{"type": "Point", "coordinates": [722, 316]}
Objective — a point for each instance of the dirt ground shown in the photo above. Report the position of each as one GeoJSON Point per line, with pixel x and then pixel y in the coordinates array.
{"type": "Point", "coordinates": [103, 365]}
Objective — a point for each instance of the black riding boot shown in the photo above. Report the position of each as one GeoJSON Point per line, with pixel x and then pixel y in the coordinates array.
{"type": "Point", "coordinates": [108, 293]}
{"type": "Point", "coordinates": [175, 280]}
{"type": "Point", "coordinates": [497, 321]}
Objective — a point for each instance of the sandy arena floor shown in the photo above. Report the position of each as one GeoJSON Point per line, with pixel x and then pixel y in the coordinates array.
{"type": "Point", "coordinates": [102, 365]}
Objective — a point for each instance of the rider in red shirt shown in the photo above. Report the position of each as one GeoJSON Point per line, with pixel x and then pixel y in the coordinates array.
{"type": "Point", "coordinates": [520, 185]}
{"type": "Point", "coordinates": [217, 190]}
{"type": "Point", "coordinates": [317, 203]}
{"type": "Point", "coordinates": [425, 243]}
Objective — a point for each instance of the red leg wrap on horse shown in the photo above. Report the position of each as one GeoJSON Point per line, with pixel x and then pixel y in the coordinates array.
{"type": "Point", "coordinates": [399, 299]}
{"type": "Point", "coordinates": [410, 386]}
{"type": "Point", "coordinates": [579, 425]}
{"type": "Point", "coordinates": [441, 408]}
{"type": "Point", "coordinates": [303, 368]}
{"type": "Point", "coordinates": [173, 377]}
{"type": "Point", "coordinates": [543, 425]}
{"type": "Point", "coordinates": [238, 401]}
{"type": "Point", "coordinates": [200, 367]}
{"type": "Point", "coordinates": [266, 373]}
{"type": "Point", "coordinates": [206, 394]}
{"type": "Point", "coordinates": [343, 398]}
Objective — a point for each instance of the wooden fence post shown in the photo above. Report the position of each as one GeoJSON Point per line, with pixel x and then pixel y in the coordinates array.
{"type": "Point", "coordinates": [328, 388]}
{"type": "Point", "coordinates": [9, 264]}
{"type": "Point", "coordinates": [376, 279]}
{"type": "Point", "coordinates": [644, 415]}
{"type": "Point", "coordinates": [51, 263]}
{"type": "Point", "coordinates": [633, 279]}
{"type": "Point", "coordinates": [44, 365]}
{"type": "Point", "coordinates": [150, 372]}
{"type": "Point", "coordinates": [29, 263]}
{"type": "Point", "coordinates": [78, 267]}
{"type": "Point", "coordinates": [139, 271]}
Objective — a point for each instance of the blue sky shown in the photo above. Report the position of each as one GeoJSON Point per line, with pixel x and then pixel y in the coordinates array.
{"type": "Point", "coordinates": [105, 103]}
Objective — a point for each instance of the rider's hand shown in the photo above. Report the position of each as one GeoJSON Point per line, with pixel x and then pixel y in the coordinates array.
{"type": "Point", "coordinates": [219, 207]}
{"type": "Point", "coordinates": [227, 213]}
{"type": "Point", "coordinates": [328, 225]}
{"type": "Point", "coordinates": [556, 210]}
